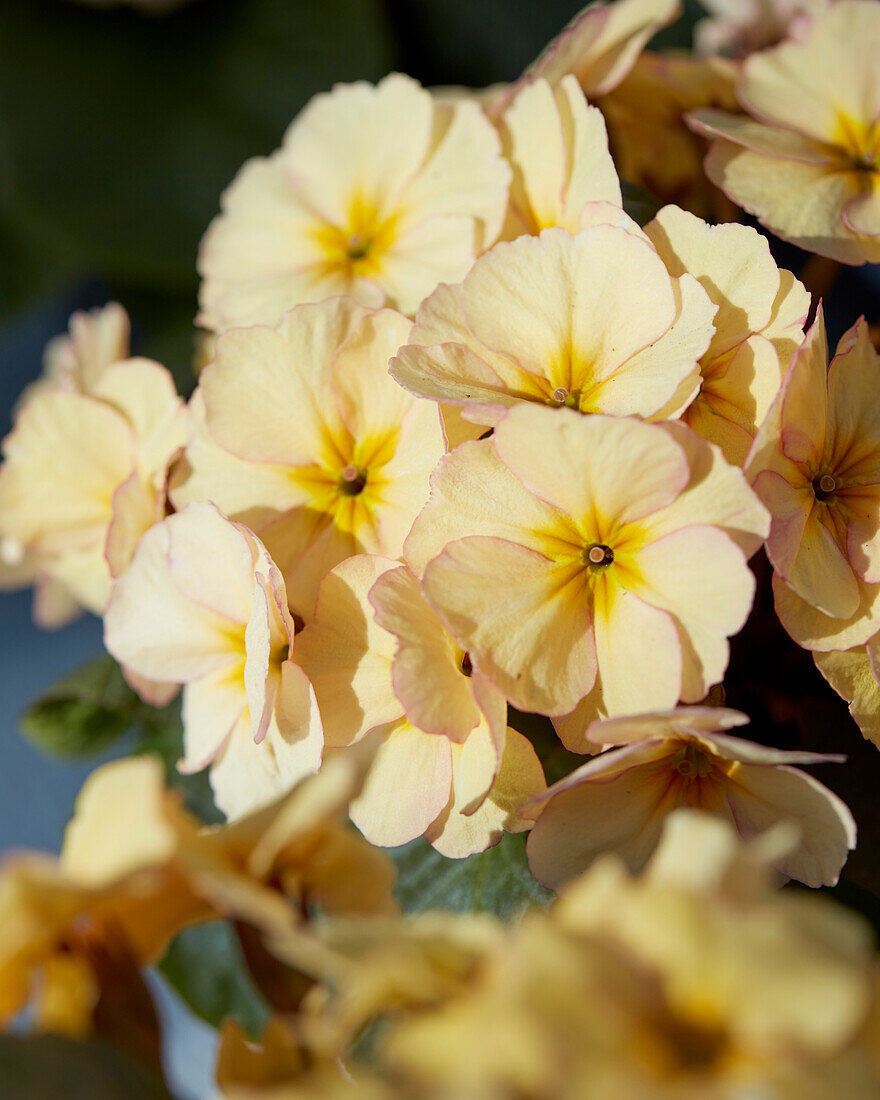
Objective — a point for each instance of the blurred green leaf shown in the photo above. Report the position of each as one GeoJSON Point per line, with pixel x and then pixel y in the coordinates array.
{"type": "Point", "coordinates": [88, 711]}
{"type": "Point", "coordinates": [206, 966]}
{"type": "Point", "coordinates": [496, 881]}
{"type": "Point", "coordinates": [48, 1067]}
{"type": "Point", "coordinates": [84, 713]}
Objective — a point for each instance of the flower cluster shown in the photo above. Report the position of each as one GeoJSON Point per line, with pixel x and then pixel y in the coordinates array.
{"type": "Point", "coordinates": [471, 442]}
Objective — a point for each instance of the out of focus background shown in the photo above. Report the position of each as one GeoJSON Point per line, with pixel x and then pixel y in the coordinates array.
{"type": "Point", "coordinates": [119, 128]}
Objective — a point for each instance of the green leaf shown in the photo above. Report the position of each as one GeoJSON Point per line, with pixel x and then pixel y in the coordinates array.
{"type": "Point", "coordinates": [47, 1067]}
{"type": "Point", "coordinates": [496, 881]}
{"type": "Point", "coordinates": [206, 966]}
{"type": "Point", "coordinates": [84, 713]}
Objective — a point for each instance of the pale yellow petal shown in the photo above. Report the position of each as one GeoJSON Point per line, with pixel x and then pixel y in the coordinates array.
{"type": "Point", "coordinates": [457, 834]}
{"type": "Point", "coordinates": [597, 465]}
{"type": "Point", "coordinates": [347, 655]}
{"type": "Point", "coordinates": [426, 674]}
{"type": "Point", "coordinates": [850, 674]}
{"type": "Point", "coordinates": [406, 788]}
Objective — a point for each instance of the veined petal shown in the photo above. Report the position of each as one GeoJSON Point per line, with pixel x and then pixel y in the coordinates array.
{"type": "Point", "coordinates": [212, 706]}
{"type": "Point", "coordinates": [622, 811]}
{"type": "Point", "coordinates": [815, 630]}
{"type": "Point", "coordinates": [851, 675]}
{"type": "Point", "coordinates": [347, 655]}
{"type": "Point", "coordinates": [407, 786]}
{"type": "Point", "coordinates": [637, 648]}
{"type": "Point", "coordinates": [278, 379]}
{"type": "Point", "coordinates": [760, 796]}
{"type": "Point", "coordinates": [766, 140]}
{"type": "Point", "coordinates": [473, 492]}
{"type": "Point", "coordinates": [176, 619]}
{"type": "Point", "coordinates": [610, 469]}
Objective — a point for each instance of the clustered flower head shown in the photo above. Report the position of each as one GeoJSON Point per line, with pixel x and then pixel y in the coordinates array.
{"type": "Point", "coordinates": [475, 464]}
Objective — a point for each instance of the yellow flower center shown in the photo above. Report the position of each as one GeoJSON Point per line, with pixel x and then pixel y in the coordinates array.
{"type": "Point", "coordinates": [860, 141]}
{"type": "Point", "coordinates": [356, 247]}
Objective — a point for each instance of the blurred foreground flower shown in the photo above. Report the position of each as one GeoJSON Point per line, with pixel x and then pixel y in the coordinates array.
{"type": "Point", "coordinates": [618, 801]}
{"type": "Point", "coordinates": [692, 980]}
{"type": "Point", "coordinates": [589, 562]}
{"type": "Point", "coordinates": [807, 163]}
{"type": "Point", "coordinates": [816, 465]}
{"type": "Point", "coordinates": [204, 605]}
{"type": "Point", "coordinates": [136, 868]}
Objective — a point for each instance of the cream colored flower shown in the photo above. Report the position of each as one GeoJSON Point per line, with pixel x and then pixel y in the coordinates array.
{"type": "Point", "coordinates": [303, 436]}
{"type": "Point", "coordinates": [84, 471]}
{"type": "Point", "coordinates": [448, 768]}
{"type": "Point", "coordinates": [855, 676]}
{"type": "Point", "coordinates": [589, 562]}
{"type": "Point", "coordinates": [807, 161]}
{"type": "Point", "coordinates": [204, 605]}
{"type": "Point", "coordinates": [377, 192]}
{"type": "Point", "coordinates": [758, 326]}
{"type": "Point", "coordinates": [816, 465]}
{"type": "Point", "coordinates": [618, 801]}
{"type": "Point", "coordinates": [593, 322]}
{"type": "Point", "coordinates": [767, 988]}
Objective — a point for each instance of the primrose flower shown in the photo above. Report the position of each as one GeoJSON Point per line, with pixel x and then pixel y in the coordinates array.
{"type": "Point", "coordinates": [593, 322]}
{"type": "Point", "coordinates": [448, 767]}
{"type": "Point", "coordinates": [589, 562]}
{"type": "Point", "coordinates": [815, 464]}
{"type": "Point", "coordinates": [301, 434]}
{"type": "Point", "coordinates": [649, 138]}
{"type": "Point", "coordinates": [855, 676]}
{"type": "Point", "coordinates": [377, 192]}
{"type": "Point", "coordinates": [204, 605]}
{"type": "Point", "coordinates": [84, 474]}
{"type": "Point", "coordinates": [758, 326]}
{"type": "Point", "coordinates": [807, 163]}
{"type": "Point", "coordinates": [741, 27]}
{"type": "Point", "coordinates": [558, 149]}
{"type": "Point", "coordinates": [618, 801]}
